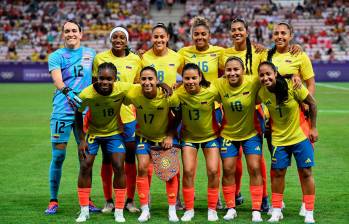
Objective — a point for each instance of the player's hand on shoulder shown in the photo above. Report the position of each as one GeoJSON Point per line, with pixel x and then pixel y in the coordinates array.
{"type": "Point", "coordinates": [295, 49]}
{"type": "Point", "coordinates": [297, 82]}
{"type": "Point", "coordinates": [73, 99]}
{"type": "Point", "coordinates": [166, 89]}
{"type": "Point", "coordinates": [259, 48]}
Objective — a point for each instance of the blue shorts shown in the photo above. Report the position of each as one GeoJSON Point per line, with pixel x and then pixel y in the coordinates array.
{"type": "Point", "coordinates": [303, 153]}
{"type": "Point", "coordinates": [112, 144]}
{"type": "Point", "coordinates": [61, 129]}
{"type": "Point", "coordinates": [144, 145]}
{"type": "Point", "coordinates": [129, 131]}
{"type": "Point", "coordinates": [204, 145]}
{"type": "Point", "coordinates": [251, 146]}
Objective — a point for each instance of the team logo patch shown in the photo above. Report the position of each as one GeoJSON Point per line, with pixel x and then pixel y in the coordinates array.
{"type": "Point", "coordinates": [308, 160]}
{"type": "Point", "coordinates": [166, 163]}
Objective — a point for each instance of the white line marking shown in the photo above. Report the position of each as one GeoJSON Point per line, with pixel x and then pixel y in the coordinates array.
{"type": "Point", "coordinates": [334, 111]}
{"type": "Point", "coordinates": [332, 86]}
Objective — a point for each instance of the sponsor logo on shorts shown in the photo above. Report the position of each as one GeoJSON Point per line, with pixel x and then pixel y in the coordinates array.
{"type": "Point", "coordinates": [213, 144]}
{"type": "Point", "coordinates": [121, 146]}
{"type": "Point", "coordinates": [257, 148]}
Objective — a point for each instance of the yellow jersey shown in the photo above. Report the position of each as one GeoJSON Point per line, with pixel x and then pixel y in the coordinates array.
{"type": "Point", "coordinates": [105, 110]}
{"type": "Point", "coordinates": [152, 114]}
{"type": "Point", "coordinates": [208, 60]}
{"type": "Point", "coordinates": [128, 69]}
{"type": "Point", "coordinates": [285, 118]}
{"type": "Point", "coordinates": [287, 63]}
{"type": "Point", "coordinates": [256, 59]}
{"type": "Point", "coordinates": [167, 66]}
{"type": "Point", "coordinates": [198, 114]}
{"type": "Point", "coordinates": [238, 108]}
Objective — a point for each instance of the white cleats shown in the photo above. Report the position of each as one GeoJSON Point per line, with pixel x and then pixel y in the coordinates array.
{"type": "Point", "coordinates": [119, 215]}
{"type": "Point", "coordinates": [188, 215]}
{"type": "Point", "coordinates": [276, 215]}
{"type": "Point", "coordinates": [108, 207]}
{"type": "Point", "coordinates": [271, 208]}
{"type": "Point", "coordinates": [302, 210]}
{"type": "Point", "coordinates": [212, 215]}
{"type": "Point", "coordinates": [309, 217]}
{"type": "Point", "coordinates": [231, 214]}
{"type": "Point", "coordinates": [84, 214]}
{"type": "Point", "coordinates": [172, 215]}
{"type": "Point", "coordinates": [130, 206]}
{"type": "Point", "coordinates": [256, 216]}
{"type": "Point", "coordinates": [145, 215]}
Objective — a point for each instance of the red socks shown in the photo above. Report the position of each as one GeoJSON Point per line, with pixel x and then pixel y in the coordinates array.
{"type": "Point", "coordinates": [143, 189]}
{"type": "Point", "coordinates": [276, 200]}
{"type": "Point", "coordinates": [309, 201]}
{"type": "Point", "coordinates": [212, 197]}
{"type": "Point", "coordinates": [84, 195]}
{"type": "Point", "coordinates": [256, 196]}
{"type": "Point", "coordinates": [229, 195]}
{"type": "Point", "coordinates": [171, 190]}
{"type": "Point", "coordinates": [188, 196]}
{"type": "Point", "coordinates": [120, 198]}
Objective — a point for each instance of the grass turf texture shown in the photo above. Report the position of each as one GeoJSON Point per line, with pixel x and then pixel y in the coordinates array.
{"type": "Point", "coordinates": [26, 152]}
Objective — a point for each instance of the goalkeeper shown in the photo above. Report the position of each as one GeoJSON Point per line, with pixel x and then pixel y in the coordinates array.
{"type": "Point", "coordinates": [71, 70]}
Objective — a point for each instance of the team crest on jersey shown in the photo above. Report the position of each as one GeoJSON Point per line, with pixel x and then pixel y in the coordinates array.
{"type": "Point", "coordinates": [268, 103]}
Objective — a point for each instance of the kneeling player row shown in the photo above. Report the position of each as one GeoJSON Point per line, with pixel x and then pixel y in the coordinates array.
{"type": "Point", "coordinates": [193, 105]}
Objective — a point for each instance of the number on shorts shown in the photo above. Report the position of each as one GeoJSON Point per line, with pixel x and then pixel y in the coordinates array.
{"type": "Point", "coordinates": [59, 127]}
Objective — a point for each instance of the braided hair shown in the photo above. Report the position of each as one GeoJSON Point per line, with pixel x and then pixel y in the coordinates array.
{"type": "Point", "coordinates": [108, 65]}
{"type": "Point", "coordinates": [281, 87]}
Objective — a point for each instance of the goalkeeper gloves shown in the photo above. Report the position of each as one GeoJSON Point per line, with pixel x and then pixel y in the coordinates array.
{"type": "Point", "coordinates": [73, 99]}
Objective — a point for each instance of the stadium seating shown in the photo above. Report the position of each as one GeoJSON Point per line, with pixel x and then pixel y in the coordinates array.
{"type": "Point", "coordinates": [29, 32]}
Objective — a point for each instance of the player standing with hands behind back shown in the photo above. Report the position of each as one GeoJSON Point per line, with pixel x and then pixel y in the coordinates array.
{"type": "Point", "coordinates": [71, 70]}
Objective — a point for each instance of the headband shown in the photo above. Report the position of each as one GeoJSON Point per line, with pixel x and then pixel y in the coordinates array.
{"type": "Point", "coordinates": [119, 29]}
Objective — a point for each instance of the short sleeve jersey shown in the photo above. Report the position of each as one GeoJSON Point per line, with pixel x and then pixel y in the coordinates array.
{"type": "Point", "coordinates": [105, 110]}
{"type": "Point", "coordinates": [208, 60]}
{"type": "Point", "coordinates": [198, 114]}
{"type": "Point", "coordinates": [239, 108]}
{"type": "Point", "coordinates": [167, 66]}
{"type": "Point", "coordinates": [76, 69]}
{"type": "Point", "coordinates": [256, 59]}
{"type": "Point", "coordinates": [152, 114]}
{"type": "Point", "coordinates": [128, 69]}
{"type": "Point", "coordinates": [293, 64]}
{"type": "Point", "coordinates": [285, 118]}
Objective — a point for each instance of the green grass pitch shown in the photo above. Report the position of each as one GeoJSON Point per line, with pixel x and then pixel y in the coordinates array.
{"type": "Point", "coordinates": [26, 151]}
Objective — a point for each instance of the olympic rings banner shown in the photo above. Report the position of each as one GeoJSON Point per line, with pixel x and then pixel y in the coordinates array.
{"type": "Point", "coordinates": [11, 72]}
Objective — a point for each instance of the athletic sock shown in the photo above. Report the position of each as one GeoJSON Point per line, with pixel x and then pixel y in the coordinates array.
{"type": "Point", "coordinates": [131, 174]}
{"type": "Point", "coordinates": [229, 195]}
{"type": "Point", "coordinates": [171, 190]}
{"type": "Point", "coordinates": [58, 156]}
{"type": "Point", "coordinates": [143, 190]}
{"type": "Point", "coordinates": [84, 195]}
{"type": "Point", "coordinates": [238, 172]}
{"type": "Point", "coordinates": [212, 198]}
{"type": "Point", "coordinates": [276, 200]}
{"type": "Point", "coordinates": [256, 196]}
{"type": "Point", "coordinates": [188, 197]}
{"type": "Point", "coordinates": [309, 201]}
{"type": "Point", "coordinates": [107, 175]}
{"type": "Point", "coordinates": [120, 194]}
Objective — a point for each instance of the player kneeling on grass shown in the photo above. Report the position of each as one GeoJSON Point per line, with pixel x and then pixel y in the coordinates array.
{"type": "Point", "coordinates": [153, 132]}
{"type": "Point", "coordinates": [104, 99]}
{"type": "Point", "coordinates": [283, 102]}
